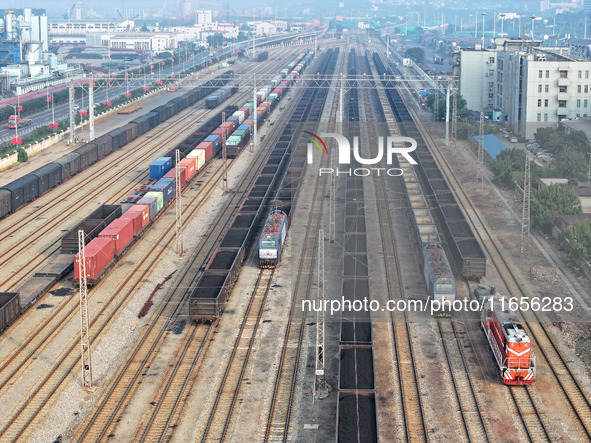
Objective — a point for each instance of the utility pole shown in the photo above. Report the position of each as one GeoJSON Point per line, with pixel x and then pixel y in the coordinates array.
{"type": "Point", "coordinates": [589, 172]}
{"type": "Point", "coordinates": [84, 329]}
{"type": "Point", "coordinates": [224, 154]}
{"type": "Point", "coordinates": [320, 388]}
{"type": "Point", "coordinates": [480, 166]}
{"type": "Point", "coordinates": [91, 111]}
{"type": "Point", "coordinates": [72, 118]}
{"type": "Point", "coordinates": [178, 205]}
{"type": "Point", "coordinates": [447, 115]}
{"type": "Point", "coordinates": [525, 210]}
{"type": "Point", "coordinates": [454, 119]}
{"type": "Point", "coordinates": [254, 111]}
{"type": "Point", "coordinates": [333, 192]}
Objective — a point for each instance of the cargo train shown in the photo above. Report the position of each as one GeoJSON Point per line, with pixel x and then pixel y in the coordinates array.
{"type": "Point", "coordinates": [463, 245]}
{"type": "Point", "coordinates": [208, 298]}
{"type": "Point", "coordinates": [29, 187]}
{"type": "Point", "coordinates": [507, 338]}
{"type": "Point", "coordinates": [272, 239]}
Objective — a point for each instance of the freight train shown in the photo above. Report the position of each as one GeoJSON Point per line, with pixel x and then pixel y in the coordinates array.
{"type": "Point", "coordinates": [29, 187]}
{"type": "Point", "coordinates": [507, 338]}
{"type": "Point", "coordinates": [464, 247]}
{"type": "Point", "coordinates": [272, 239]}
{"type": "Point", "coordinates": [209, 296]}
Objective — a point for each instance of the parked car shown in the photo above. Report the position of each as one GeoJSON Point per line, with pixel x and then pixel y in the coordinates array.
{"type": "Point", "coordinates": [513, 139]}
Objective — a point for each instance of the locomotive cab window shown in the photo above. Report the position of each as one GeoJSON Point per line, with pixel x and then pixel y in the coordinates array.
{"type": "Point", "coordinates": [444, 287]}
{"type": "Point", "coordinates": [267, 243]}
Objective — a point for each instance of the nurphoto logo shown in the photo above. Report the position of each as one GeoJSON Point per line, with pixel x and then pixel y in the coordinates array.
{"type": "Point", "coordinates": [395, 145]}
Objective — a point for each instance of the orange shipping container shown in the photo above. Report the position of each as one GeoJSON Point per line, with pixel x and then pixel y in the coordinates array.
{"type": "Point", "coordinates": [190, 166]}
{"type": "Point", "coordinates": [145, 210]}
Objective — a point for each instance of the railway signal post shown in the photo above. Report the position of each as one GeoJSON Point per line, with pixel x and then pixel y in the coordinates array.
{"type": "Point", "coordinates": [320, 387]}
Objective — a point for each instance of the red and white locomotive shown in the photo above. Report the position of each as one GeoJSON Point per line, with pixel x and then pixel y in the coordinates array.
{"type": "Point", "coordinates": [508, 341]}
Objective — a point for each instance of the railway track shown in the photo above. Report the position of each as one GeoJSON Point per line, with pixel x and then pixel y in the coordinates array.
{"type": "Point", "coordinates": [277, 426]}
{"type": "Point", "coordinates": [99, 322]}
{"type": "Point", "coordinates": [573, 395]}
{"type": "Point", "coordinates": [169, 400]}
{"type": "Point", "coordinates": [85, 188]}
{"type": "Point", "coordinates": [472, 416]}
{"type": "Point", "coordinates": [409, 401]}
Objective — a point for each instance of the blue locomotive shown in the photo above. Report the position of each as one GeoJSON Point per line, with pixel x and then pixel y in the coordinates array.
{"type": "Point", "coordinates": [272, 239]}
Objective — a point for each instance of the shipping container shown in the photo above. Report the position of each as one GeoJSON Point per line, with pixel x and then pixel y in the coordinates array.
{"type": "Point", "coordinates": [151, 202]}
{"type": "Point", "coordinates": [244, 127]}
{"type": "Point", "coordinates": [136, 218]}
{"type": "Point", "coordinates": [190, 165]}
{"type": "Point", "coordinates": [5, 202]}
{"type": "Point", "coordinates": [234, 120]}
{"type": "Point", "coordinates": [166, 186]}
{"type": "Point", "coordinates": [121, 231]}
{"type": "Point", "coordinates": [172, 175]}
{"type": "Point", "coordinates": [246, 111]}
{"type": "Point", "coordinates": [10, 308]}
{"type": "Point", "coordinates": [207, 147]}
{"type": "Point", "coordinates": [159, 199]}
{"type": "Point", "coordinates": [199, 156]}
{"type": "Point", "coordinates": [241, 117]}
{"type": "Point", "coordinates": [98, 254]}
{"type": "Point", "coordinates": [144, 210]}
{"type": "Point", "coordinates": [104, 145]}
{"type": "Point", "coordinates": [216, 143]}
{"type": "Point", "coordinates": [159, 167]}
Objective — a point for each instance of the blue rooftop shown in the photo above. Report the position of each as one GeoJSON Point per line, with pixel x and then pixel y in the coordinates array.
{"type": "Point", "coordinates": [492, 144]}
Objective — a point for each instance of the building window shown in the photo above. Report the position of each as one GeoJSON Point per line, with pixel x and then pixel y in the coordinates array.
{"type": "Point", "coordinates": [579, 89]}
{"type": "Point", "coordinates": [578, 103]}
{"type": "Point", "coordinates": [539, 103]}
{"type": "Point", "coordinates": [563, 74]}
{"type": "Point", "coordinates": [491, 59]}
{"type": "Point", "coordinates": [546, 103]}
{"type": "Point", "coordinates": [586, 88]}
{"type": "Point", "coordinates": [539, 88]}
{"type": "Point", "coordinates": [491, 85]}
{"type": "Point", "coordinates": [545, 117]}
{"type": "Point", "coordinates": [562, 103]}
{"type": "Point", "coordinates": [562, 89]}
{"type": "Point", "coordinates": [547, 74]}
{"type": "Point", "coordinates": [586, 74]}
{"type": "Point", "coordinates": [584, 103]}
{"type": "Point", "coordinates": [547, 88]}
{"type": "Point", "coordinates": [539, 117]}
{"type": "Point", "coordinates": [580, 74]}
{"type": "Point", "coordinates": [540, 73]}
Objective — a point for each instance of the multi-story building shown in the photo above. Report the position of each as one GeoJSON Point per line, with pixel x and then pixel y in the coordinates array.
{"type": "Point", "coordinates": [151, 42]}
{"type": "Point", "coordinates": [75, 31]}
{"type": "Point", "coordinates": [536, 87]}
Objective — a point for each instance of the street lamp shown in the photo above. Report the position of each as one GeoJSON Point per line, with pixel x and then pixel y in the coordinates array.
{"type": "Point", "coordinates": [533, 19]}
{"type": "Point", "coordinates": [502, 15]}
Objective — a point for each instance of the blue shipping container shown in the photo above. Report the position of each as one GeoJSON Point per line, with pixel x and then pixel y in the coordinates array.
{"type": "Point", "coordinates": [234, 119]}
{"type": "Point", "coordinates": [246, 127]}
{"type": "Point", "coordinates": [216, 142]}
{"type": "Point", "coordinates": [160, 167]}
{"type": "Point", "coordinates": [166, 186]}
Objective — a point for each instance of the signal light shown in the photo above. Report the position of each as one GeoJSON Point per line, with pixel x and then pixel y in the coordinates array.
{"type": "Point", "coordinates": [110, 79]}
{"type": "Point", "coordinates": [162, 63]}
{"type": "Point", "coordinates": [151, 66]}
{"type": "Point", "coordinates": [108, 103]}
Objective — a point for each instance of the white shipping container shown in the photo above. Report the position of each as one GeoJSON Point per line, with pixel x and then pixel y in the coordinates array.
{"type": "Point", "coordinates": [199, 156]}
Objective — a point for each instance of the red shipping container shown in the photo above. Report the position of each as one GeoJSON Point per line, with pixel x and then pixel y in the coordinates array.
{"type": "Point", "coordinates": [259, 99]}
{"type": "Point", "coordinates": [98, 253]}
{"type": "Point", "coordinates": [218, 131]}
{"type": "Point", "coordinates": [144, 210]}
{"type": "Point", "coordinates": [172, 174]}
{"type": "Point", "coordinates": [207, 147]}
{"type": "Point", "coordinates": [121, 231]}
{"type": "Point", "coordinates": [190, 165]}
{"type": "Point", "coordinates": [246, 112]}
{"type": "Point", "coordinates": [229, 127]}
{"type": "Point", "coordinates": [136, 218]}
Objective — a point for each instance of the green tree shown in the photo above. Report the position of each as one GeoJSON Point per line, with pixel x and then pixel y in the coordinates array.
{"type": "Point", "coordinates": [570, 164]}
{"type": "Point", "coordinates": [416, 54]}
{"type": "Point", "coordinates": [242, 36]}
{"type": "Point", "coordinates": [506, 164]}
{"type": "Point", "coordinates": [577, 240]}
{"type": "Point", "coordinates": [552, 201]}
{"type": "Point", "coordinates": [22, 155]}
{"type": "Point", "coordinates": [215, 40]}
